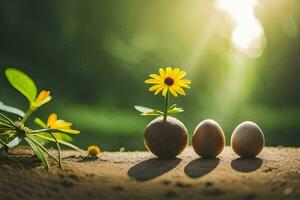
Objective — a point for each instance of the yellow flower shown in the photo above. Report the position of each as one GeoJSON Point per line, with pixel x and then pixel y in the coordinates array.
{"type": "Point", "coordinates": [43, 97]}
{"type": "Point", "coordinates": [61, 125]}
{"type": "Point", "coordinates": [168, 80]}
{"type": "Point", "coordinates": [93, 150]}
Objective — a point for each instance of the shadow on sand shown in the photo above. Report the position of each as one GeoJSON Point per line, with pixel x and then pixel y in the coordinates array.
{"type": "Point", "coordinates": [200, 166]}
{"type": "Point", "coordinates": [152, 168]}
{"type": "Point", "coordinates": [246, 164]}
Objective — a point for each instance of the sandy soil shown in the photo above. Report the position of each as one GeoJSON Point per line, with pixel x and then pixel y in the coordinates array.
{"type": "Point", "coordinates": [138, 175]}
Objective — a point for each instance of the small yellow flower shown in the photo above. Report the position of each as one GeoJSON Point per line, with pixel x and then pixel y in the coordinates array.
{"type": "Point", "coordinates": [93, 150]}
{"type": "Point", "coordinates": [60, 125]}
{"type": "Point", "coordinates": [43, 97]}
{"type": "Point", "coordinates": [168, 80]}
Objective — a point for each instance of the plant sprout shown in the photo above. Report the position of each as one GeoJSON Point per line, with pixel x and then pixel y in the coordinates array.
{"type": "Point", "coordinates": [12, 132]}
{"type": "Point", "coordinates": [167, 81]}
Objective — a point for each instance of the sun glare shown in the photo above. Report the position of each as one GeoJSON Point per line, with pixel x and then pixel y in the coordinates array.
{"type": "Point", "coordinates": [248, 34]}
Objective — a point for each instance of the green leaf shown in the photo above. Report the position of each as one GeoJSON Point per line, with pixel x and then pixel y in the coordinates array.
{"type": "Point", "coordinates": [11, 109]}
{"type": "Point", "coordinates": [6, 120]}
{"type": "Point", "coordinates": [4, 146]}
{"type": "Point", "coordinates": [22, 82]}
{"type": "Point", "coordinates": [154, 113]}
{"type": "Point", "coordinates": [63, 137]}
{"type": "Point", "coordinates": [5, 132]}
{"type": "Point", "coordinates": [59, 136]}
{"type": "Point", "coordinates": [5, 126]}
{"type": "Point", "coordinates": [39, 152]}
{"type": "Point", "coordinates": [172, 106]}
{"type": "Point", "coordinates": [14, 142]}
{"type": "Point", "coordinates": [174, 110]}
{"type": "Point", "coordinates": [148, 111]}
{"type": "Point", "coordinates": [39, 122]}
{"type": "Point", "coordinates": [59, 141]}
{"type": "Point", "coordinates": [32, 138]}
{"type": "Point", "coordinates": [143, 109]}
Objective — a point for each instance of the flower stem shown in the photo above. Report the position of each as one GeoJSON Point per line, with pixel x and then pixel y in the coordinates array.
{"type": "Point", "coordinates": [59, 150]}
{"type": "Point", "coordinates": [43, 148]}
{"type": "Point", "coordinates": [27, 114]}
{"type": "Point", "coordinates": [166, 106]}
{"type": "Point", "coordinates": [40, 131]}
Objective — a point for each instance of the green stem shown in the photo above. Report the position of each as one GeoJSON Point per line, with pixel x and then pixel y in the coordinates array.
{"type": "Point", "coordinates": [166, 106]}
{"type": "Point", "coordinates": [59, 150]}
{"type": "Point", "coordinates": [47, 130]}
{"type": "Point", "coordinates": [42, 147]}
{"type": "Point", "coordinates": [40, 131]}
{"type": "Point", "coordinates": [3, 143]}
{"type": "Point", "coordinates": [27, 114]}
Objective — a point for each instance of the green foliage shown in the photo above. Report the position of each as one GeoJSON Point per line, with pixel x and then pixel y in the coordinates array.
{"type": "Point", "coordinates": [59, 136]}
{"type": "Point", "coordinates": [174, 109]}
{"type": "Point", "coordinates": [47, 137]}
{"type": "Point", "coordinates": [22, 82]}
{"type": "Point", "coordinates": [11, 109]}
{"type": "Point", "coordinates": [14, 142]}
{"type": "Point", "coordinates": [145, 111]}
{"type": "Point", "coordinates": [39, 122]}
{"type": "Point", "coordinates": [39, 152]}
{"type": "Point", "coordinates": [12, 132]}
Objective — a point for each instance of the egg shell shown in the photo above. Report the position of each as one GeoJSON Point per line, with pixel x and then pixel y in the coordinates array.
{"type": "Point", "coordinates": [247, 139]}
{"type": "Point", "coordinates": [166, 139]}
{"type": "Point", "coordinates": [208, 139]}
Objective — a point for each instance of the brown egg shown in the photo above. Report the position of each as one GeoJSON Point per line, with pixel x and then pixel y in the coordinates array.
{"type": "Point", "coordinates": [247, 139]}
{"type": "Point", "coordinates": [208, 139]}
{"type": "Point", "coordinates": [166, 139]}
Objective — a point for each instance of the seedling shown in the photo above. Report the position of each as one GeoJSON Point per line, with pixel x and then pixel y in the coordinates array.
{"type": "Point", "coordinates": [164, 128]}
{"type": "Point", "coordinates": [13, 131]}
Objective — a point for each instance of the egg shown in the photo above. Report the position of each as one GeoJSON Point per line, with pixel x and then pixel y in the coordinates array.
{"type": "Point", "coordinates": [208, 139]}
{"type": "Point", "coordinates": [247, 139]}
{"type": "Point", "coordinates": [166, 139]}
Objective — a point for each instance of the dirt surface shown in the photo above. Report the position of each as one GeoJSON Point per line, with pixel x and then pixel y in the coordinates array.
{"type": "Point", "coordinates": [138, 175]}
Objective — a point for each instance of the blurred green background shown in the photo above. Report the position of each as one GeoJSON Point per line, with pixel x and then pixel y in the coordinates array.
{"type": "Point", "coordinates": [243, 60]}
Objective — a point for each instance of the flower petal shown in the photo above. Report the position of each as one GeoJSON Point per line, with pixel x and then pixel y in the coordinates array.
{"type": "Point", "coordinates": [155, 76]}
{"type": "Point", "coordinates": [152, 81]}
{"type": "Point", "coordinates": [45, 100]}
{"type": "Point", "coordinates": [183, 85]}
{"type": "Point", "coordinates": [61, 124]}
{"type": "Point", "coordinates": [154, 87]}
{"type": "Point", "coordinates": [172, 90]}
{"type": "Point", "coordinates": [179, 90]}
{"type": "Point", "coordinates": [41, 96]}
{"type": "Point", "coordinates": [51, 119]}
{"type": "Point", "coordinates": [184, 81]}
{"type": "Point", "coordinates": [175, 73]}
{"type": "Point", "coordinates": [162, 73]}
{"type": "Point", "coordinates": [159, 89]}
{"type": "Point", "coordinates": [164, 92]}
{"type": "Point", "coordinates": [169, 72]}
{"type": "Point", "coordinates": [181, 75]}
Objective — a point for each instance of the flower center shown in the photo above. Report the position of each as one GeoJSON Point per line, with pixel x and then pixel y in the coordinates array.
{"type": "Point", "coordinates": [169, 81]}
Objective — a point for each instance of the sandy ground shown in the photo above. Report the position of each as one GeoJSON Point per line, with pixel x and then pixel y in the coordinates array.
{"type": "Point", "coordinates": [138, 175]}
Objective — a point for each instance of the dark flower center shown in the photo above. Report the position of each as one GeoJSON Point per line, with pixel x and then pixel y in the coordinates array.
{"type": "Point", "coordinates": [169, 81]}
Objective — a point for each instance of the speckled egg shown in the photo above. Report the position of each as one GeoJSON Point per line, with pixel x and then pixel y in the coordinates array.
{"type": "Point", "coordinates": [166, 139]}
{"type": "Point", "coordinates": [247, 139]}
{"type": "Point", "coordinates": [208, 139]}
